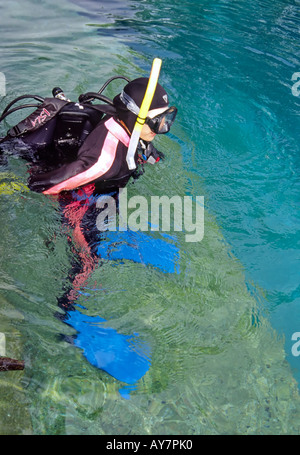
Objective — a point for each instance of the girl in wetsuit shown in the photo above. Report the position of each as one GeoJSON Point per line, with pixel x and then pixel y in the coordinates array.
{"type": "Point", "coordinates": [98, 165]}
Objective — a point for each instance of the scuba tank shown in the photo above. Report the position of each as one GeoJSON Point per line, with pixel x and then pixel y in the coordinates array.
{"type": "Point", "coordinates": [58, 127]}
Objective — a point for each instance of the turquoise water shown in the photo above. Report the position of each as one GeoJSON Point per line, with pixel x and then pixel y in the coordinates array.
{"type": "Point", "coordinates": [220, 331]}
{"type": "Point", "coordinates": [232, 65]}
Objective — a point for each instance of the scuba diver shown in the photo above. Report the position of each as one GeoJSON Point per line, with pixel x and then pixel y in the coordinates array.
{"type": "Point", "coordinates": [78, 151]}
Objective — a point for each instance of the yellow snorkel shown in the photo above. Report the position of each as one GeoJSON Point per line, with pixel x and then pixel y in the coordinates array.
{"type": "Point", "coordinates": [145, 106]}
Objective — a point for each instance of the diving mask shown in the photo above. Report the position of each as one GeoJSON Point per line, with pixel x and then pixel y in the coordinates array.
{"type": "Point", "coordinates": [161, 124]}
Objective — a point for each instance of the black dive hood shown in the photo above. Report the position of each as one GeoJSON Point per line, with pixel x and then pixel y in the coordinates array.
{"type": "Point", "coordinates": [136, 90]}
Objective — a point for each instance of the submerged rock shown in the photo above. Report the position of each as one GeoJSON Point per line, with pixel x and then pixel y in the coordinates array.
{"type": "Point", "coordinates": [7, 364]}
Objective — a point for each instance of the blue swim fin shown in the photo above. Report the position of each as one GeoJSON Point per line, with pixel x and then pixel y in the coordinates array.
{"type": "Point", "coordinates": [142, 248]}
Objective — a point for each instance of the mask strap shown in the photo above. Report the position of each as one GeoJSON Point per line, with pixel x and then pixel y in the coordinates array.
{"type": "Point", "coordinates": [131, 106]}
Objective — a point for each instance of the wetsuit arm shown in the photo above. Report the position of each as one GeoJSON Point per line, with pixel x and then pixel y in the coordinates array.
{"type": "Point", "coordinates": [45, 181]}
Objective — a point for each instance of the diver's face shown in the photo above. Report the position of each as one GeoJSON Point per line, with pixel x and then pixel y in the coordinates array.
{"type": "Point", "coordinates": [147, 134]}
